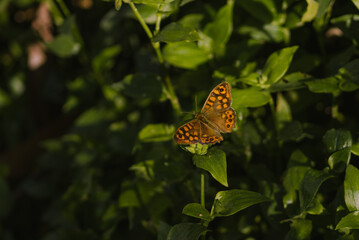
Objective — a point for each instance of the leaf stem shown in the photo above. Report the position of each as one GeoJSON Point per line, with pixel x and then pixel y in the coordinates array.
{"type": "Point", "coordinates": [203, 203]}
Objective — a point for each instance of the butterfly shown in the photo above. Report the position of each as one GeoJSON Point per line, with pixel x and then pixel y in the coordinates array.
{"type": "Point", "coordinates": [216, 117]}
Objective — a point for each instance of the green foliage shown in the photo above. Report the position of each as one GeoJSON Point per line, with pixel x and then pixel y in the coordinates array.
{"type": "Point", "coordinates": [92, 93]}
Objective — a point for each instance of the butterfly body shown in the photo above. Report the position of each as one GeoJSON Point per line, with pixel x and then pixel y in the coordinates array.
{"type": "Point", "coordinates": [216, 117]}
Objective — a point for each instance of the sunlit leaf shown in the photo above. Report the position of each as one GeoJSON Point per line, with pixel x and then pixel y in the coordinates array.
{"type": "Point", "coordinates": [156, 133]}
{"type": "Point", "coordinates": [351, 188]}
{"type": "Point", "coordinates": [277, 64]}
{"type": "Point", "coordinates": [249, 97]}
{"type": "Point", "coordinates": [350, 221]}
{"type": "Point", "coordinates": [185, 55]}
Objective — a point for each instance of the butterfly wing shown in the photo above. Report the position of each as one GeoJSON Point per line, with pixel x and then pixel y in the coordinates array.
{"type": "Point", "coordinates": [224, 120]}
{"type": "Point", "coordinates": [196, 131]}
{"type": "Point", "coordinates": [188, 133]}
{"type": "Point", "coordinates": [217, 108]}
{"type": "Point", "coordinates": [218, 99]}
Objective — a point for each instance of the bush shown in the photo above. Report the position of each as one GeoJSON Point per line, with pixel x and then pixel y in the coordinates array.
{"type": "Point", "coordinates": [92, 93]}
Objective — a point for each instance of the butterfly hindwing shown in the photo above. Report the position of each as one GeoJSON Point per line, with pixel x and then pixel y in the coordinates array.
{"type": "Point", "coordinates": [188, 133]}
{"type": "Point", "coordinates": [224, 120]}
{"type": "Point", "coordinates": [209, 135]}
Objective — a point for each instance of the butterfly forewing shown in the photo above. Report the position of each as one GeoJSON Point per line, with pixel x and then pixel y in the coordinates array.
{"type": "Point", "coordinates": [219, 98]}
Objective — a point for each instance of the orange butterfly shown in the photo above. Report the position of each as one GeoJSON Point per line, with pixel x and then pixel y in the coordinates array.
{"type": "Point", "coordinates": [216, 117]}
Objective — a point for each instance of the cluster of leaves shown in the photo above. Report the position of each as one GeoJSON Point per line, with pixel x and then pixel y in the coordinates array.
{"type": "Point", "coordinates": [120, 74]}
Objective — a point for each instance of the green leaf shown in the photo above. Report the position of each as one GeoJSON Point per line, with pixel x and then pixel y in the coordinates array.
{"type": "Point", "coordinates": [263, 10]}
{"type": "Point", "coordinates": [339, 160]}
{"type": "Point", "coordinates": [197, 210]}
{"type": "Point", "coordinates": [325, 85]}
{"type": "Point", "coordinates": [143, 85]}
{"type": "Point", "coordinates": [291, 81]}
{"type": "Point", "coordinates": [215, 163]}
{"type": "Point", "coordinates": [229, 202]}
{"type": "Point", "coordinates": [163, 230]}
{"type": "Point", "coordinates": [249, 97]}
{"type": "Point", "coordinates": [176, 32]}
{"type": "Point", "coordinates": [118, 4]}
{"type": "Point", "coordinates": [356, 3]}
{"type": "Point", "coordinates": [156, 133]}
{"type": "Point", "coordinates": [105, 60]}
{"type": "Point", "coordinates": [350, 221]}
{"type": "Point", "coordinates": [300, 229]}
{"type": "Point", "coordinates": [64, 46]}
{"type": "Point", "coordinates": [188, 231]}
{"type": "Point", "coordinates": [221, 28]}
{"type": "Point", "coordinates": [355, 149]}
{"type": "Point", "coordinates": [349, 76]}
{"type": "Point", "coordinates": [309, 187]}
{"type": "Point", "coordinates": [278, 64]}
{"type": "Point", "coordinates": [311, 11]}
{"type": "Point", "coordinates": [293, 177]}
{"type": "Point", "coordinates": [184, 54]}
{"type": "Point", "coordinates": [336, 140]}
{"type": "Point", "coordinates": [351, 188]}
{"type": "Point", "coordinates": [144, 169]}
{"type": "Point", "coordinates": [291, 131]}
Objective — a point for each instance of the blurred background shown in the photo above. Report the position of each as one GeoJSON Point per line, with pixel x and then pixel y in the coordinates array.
{"type": "Point", "coordinates": [86, 122]}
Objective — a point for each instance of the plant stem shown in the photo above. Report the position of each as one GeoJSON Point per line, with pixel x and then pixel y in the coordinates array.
{"type": "Point", "coordinates": [203, 203]}
{"type": "Point", "coordinates": [169, 91]}
{"type": "Point", "coordinates": [156, 45]}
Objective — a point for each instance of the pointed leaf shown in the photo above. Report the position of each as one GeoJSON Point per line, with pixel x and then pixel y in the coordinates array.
{"type": "Point", "coordinates": [339, 160]}
{"type": "Point", "coordinates": [249, 97]}
{"type": "Point", "coordinates": [156, 133]}
{"type": "Point", "coordinates": [188, 231]}
{"type": "Point", "coordinates": [64, 45]}
{"type": "Point", "coordinates": [215, 163]}
{"type": "Point", "coordinates": [175, 32]}
{"type": "Point", "coordinates": [300, 229]}
{"type": "Point", "coordinates": [324, 85]}
{"type": "Point", "coordinates": [351, 188]}
{"type": "Point", "coordinates": [197, 210]}
{"type": "Point", "coordinates": [229, 202]}
{"type": "Point", "coordinates": [185, 54]}
{"type": "Point", "coordinates": [336, 140]}
{"type": "Point", "coordinates": [350, 221]}
{"type": "Point", "coordinates": [309, 187]}
{"type": "Point", "coordinates": [278, 64]}
{"type": "Point", "coordinates": [221, 28]}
